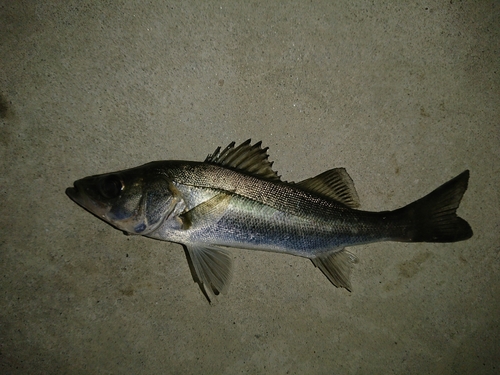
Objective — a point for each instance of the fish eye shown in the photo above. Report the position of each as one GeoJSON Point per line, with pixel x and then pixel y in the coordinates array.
{"type": "Point", "coordinates": [110, 186]}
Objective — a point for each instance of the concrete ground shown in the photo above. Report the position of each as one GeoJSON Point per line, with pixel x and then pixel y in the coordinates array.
{"type": "Point", "coordinates": [404, 95]}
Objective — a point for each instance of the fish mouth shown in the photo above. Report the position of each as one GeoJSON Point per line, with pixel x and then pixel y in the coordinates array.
{"type": "Point", "coordinates": [83, 200]}
{"type": "Point", "coordinates": [72, 193]}
{"type": "Point", "coordinates": [75, 194]}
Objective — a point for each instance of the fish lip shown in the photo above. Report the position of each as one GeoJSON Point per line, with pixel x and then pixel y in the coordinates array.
{"type": "Point", "coordinates": [72, 193]}
{"type": "Point", "coordinates": [78, 195]}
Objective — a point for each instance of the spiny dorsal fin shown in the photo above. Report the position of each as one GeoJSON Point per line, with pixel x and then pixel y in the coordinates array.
{"type": "Point", "coordinates": [335, 184]}
{"type": "Point", "coordinates": [245, 157]}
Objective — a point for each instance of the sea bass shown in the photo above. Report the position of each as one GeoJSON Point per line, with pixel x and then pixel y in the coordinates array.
{"type": "Point", "coordinates": [235, 199]}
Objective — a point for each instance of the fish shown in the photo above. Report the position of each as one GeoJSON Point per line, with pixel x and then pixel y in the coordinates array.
{"type": "Point", "coordinates": [235, 199]}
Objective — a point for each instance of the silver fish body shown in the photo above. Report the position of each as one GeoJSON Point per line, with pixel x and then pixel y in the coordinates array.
{"type": "Point", "coordinates": [235, 199]}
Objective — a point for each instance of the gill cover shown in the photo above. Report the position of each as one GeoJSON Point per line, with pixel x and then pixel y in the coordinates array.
{"type": "Point", "coordinates": [136, 200]}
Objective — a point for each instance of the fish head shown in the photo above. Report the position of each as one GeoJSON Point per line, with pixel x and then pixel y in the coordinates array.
{"type": "Point", "coordinates": [135, 200]}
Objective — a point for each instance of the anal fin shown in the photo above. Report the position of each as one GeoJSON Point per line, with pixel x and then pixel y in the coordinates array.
{"type": "Point", "coordinates": [336, 265]}
{"type": "Point", "coordinates": [212, 266]}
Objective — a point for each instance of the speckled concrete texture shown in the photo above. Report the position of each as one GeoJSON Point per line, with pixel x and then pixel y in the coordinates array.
{"type": "Point", "coordinates": [405, 95]}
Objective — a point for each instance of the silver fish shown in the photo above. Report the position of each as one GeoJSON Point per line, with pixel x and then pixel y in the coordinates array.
{"type": "Point", "coordinates": [235, 199]}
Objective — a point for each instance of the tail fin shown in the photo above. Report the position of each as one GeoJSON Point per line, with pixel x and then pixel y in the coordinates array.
{"type": "Point", "coordinates": [433, 218]}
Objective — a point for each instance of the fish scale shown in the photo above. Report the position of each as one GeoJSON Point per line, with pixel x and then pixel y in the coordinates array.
{"type": "Point", "coordinates": [280, 195]}
{"type": "Point", "coordinates": [235, 199]}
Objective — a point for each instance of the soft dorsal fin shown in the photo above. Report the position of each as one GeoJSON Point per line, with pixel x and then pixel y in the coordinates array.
{"type": "Point", "coordinates": [245, 157]}
{"type": "Point", "coordinates": [335, 184]}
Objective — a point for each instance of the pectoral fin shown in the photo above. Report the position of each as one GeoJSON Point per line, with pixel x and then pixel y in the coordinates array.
{"type": "Point", "coordinates": [336, 265]}
{"type": "Point", "coordinates": [210, 210]}
{"type": "Point", "coordinates": [212, 266]}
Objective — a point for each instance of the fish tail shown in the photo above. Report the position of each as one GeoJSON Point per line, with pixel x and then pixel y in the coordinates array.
{"type": "Point", "coordinates": [433, 218]}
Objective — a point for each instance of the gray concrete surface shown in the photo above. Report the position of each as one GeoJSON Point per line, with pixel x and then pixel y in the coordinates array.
{"type": "Point", "coordinates": [404, 95]}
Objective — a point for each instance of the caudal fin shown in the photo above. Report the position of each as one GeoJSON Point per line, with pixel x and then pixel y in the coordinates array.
{"type": "Point", "coordinates": [433, 218]}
